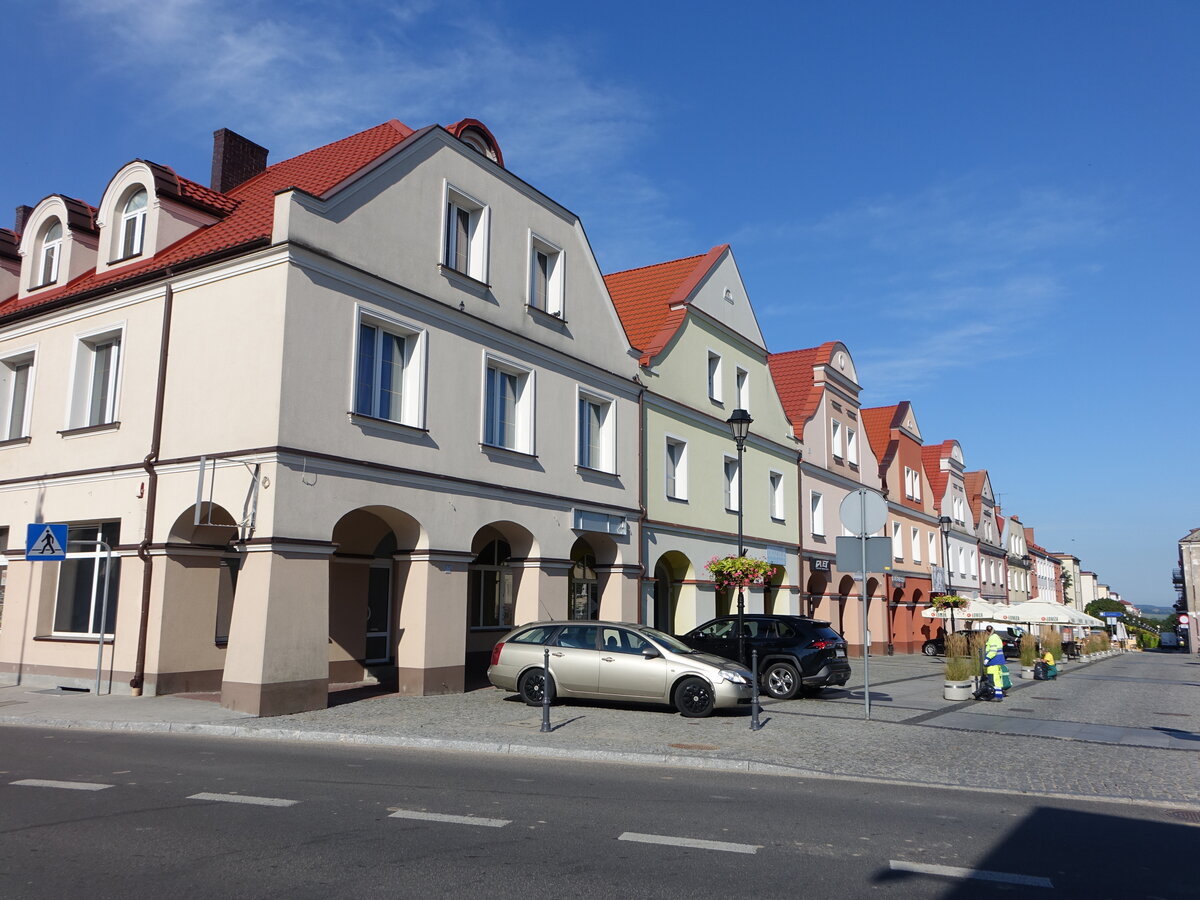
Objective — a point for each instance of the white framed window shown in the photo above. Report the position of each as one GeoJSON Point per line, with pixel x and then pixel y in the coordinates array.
{"type": "Point", "coordinates": [817, 506]}
{"type": "Point", "coordinates": [742, 384]}
{"type": "Point", "coordinates": [851, 446]}
{"type": "Point", "coordinates": [508, 406]}
{"type": "Point", "coordinates": [733, 478]}
{"type": "Point", "coordinates": [80, 593]}
{"type": "Point", "coordinates": [933, 548]}
{"type": "Point", "coordinates": [389, 371]}
{"type": "Point", "coordinates": [597, 432]}
{"type": "Point", "coordinates": [49, 252]}
{"type": "Point", "coordinates": [915, 537]}
{"type": "Point", "coordinates": [973, 560]}
{"type": "Point", "coordinates": [962, 562]}
{"type": "Point", "coordinates": [466, 235]}
{"type": "Point", "coordinates": [97, 375]}
{"type": "Point", "coordinates": [133, 224]}
{"type": "Point", "coordinates": [676, 469]}
{"type": "Point", "coordinates": [897, 541]}
{"type": "Point", "coordinates": [16, 389]}
{"type": "Point", "coordinates": [714, 377]}
{"type": "Point", "coordinates": [835, 439]}
{"type": "Point", "coordinates": [776, 495]}
{"type": "Point", "coordinates": [546, 274]}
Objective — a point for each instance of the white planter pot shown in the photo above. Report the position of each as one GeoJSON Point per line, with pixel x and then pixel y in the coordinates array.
{"type": "Point", "coordinates": [957, 690]}
{"type": "Point", "coordinates": [1027, 673]}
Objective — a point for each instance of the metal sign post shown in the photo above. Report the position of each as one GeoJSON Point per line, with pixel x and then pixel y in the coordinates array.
{"type": "Point", "coordinates": [103, 603]}
{"type": "Point", "coordinates": [864, 512]}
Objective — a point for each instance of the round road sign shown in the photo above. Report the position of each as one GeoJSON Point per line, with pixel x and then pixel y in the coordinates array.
{"type": "Point", "coordinates": [863, 512]}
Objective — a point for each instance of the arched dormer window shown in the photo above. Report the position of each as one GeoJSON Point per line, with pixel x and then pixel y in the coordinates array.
{"type": "Point", "coordinates": [49, 252]}
{"type": "Point", "coordinates": [133, 224]}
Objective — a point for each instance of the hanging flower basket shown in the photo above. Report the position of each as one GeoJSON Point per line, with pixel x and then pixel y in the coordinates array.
{"type": "Point", "coordinates": [949, 601]}
{"type": "Point", "coordinates": [739, 571]}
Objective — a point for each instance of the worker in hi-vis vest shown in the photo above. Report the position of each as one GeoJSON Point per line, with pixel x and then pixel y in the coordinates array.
{"type": "Point", "coordinates": [993, 661]}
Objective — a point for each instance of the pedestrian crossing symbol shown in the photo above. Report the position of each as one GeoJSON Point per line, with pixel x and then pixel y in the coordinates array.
{"type": "Point", "coordinates": [45, 541]}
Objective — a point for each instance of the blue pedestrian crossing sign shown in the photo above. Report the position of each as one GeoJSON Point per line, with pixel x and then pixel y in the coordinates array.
{"type": "Point", "coordinates": [45, 542]}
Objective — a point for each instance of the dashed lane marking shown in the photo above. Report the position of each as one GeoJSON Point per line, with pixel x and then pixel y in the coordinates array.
{"type": "Point", "coordinates": [65, 785]}
{"type": "Point", "coordinates": [974, 874]}
{"type": "Point", "coordinates": [693, 843]}
{"type": "Point", "coordinates": [451, 820]}
{"type": "Point", "coordinates": [244, 798]}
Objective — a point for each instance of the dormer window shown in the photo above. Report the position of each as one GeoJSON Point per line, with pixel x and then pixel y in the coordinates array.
{"type": "Point", "coordinates": [133, 224]}
{"type": "Point", "coordinates": [49, 251]}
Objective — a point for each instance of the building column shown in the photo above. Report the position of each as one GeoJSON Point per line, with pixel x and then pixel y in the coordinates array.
{"type": "Point", "coordinates": [278, 657]}
{"type": "Point", "coordinates": [431, 594]}
{"type": "Point", "coordinates": [619, 596]}
{"type": "Point", "coordinates": [541, 589]}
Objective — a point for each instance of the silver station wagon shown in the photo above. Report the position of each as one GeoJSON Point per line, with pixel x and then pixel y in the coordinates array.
{"type": "Point", "coordinates": [615, 661]}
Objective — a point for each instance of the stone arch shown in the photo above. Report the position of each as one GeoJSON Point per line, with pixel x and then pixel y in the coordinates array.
{"type": "Point", "coordinates": [818, 584]}
{"type": "Point", "coordinates": [674, 592]}
{"type": "Point", "coordinates": [583, 583]}
{"type": "Point", "coordinates": [506, 587]}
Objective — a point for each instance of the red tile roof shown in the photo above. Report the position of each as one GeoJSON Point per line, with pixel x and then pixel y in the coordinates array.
{"type": "Point", "coordinates": [931, 458]}
{"type": "Point", "coordinates": [651, 301]}
{"type": "Point", "coordinates": [250, 207]}
{"type": "Point", "coordinates": [974, 481]}
{"type": "Point", "coordinates": [796, 384]}
{"type": "Point", "coordinates": [879, 422]}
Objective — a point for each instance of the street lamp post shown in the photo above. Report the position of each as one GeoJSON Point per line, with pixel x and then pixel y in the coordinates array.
{"type": "Point", "coordinates": [739, 427]}
{"type": "Point", "coordinates": [944, 523]}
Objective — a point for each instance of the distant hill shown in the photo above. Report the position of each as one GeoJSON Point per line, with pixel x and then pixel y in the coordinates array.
{"type": "Point", "coordinates": [1156, 612]}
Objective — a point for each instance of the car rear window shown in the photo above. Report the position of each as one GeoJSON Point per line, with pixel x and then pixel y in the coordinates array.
{"type": "Point", "coordinates": [823, 633]}
{"type": "Point", "coordinates": [537, 635]}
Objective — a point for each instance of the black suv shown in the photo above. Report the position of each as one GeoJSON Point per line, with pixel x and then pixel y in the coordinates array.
{"type": "Point", "coordinates": [1012, 643]}
{"type": "Point", "coordinates": [793, 652]}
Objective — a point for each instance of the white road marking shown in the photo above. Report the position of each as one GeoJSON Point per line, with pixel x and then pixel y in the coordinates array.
{"type": "Point", "coordinates": [976, 874]}
{"type": "Point", "coordinates": [694, 843]}
{"type": "Point", "coordinates": [67, 785]}
{"type": "Point", "coordinates": [452, 820]}
{"type": "Point", "coordinates": [243, 798]}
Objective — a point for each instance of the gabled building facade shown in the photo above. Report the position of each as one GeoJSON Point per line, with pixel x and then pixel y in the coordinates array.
{"type": "Point", "coordinates": [912, 524]}
{"type": "Point", "coordinates": [701, 356]}
{"type": "Point", "coordinates": [992, 557]}
{"type": "Point", "coordinates": [340, 415]}
{"type": "Point", "coordinates": [819, 390]}
{"type": "Point", "coordinates": [1019, 563]}
{"type": "Point", "coordinates": [960, 546]}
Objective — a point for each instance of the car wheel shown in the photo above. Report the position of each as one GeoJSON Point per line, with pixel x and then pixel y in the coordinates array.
{"type": "Point", "coordinates": [533, 686]}
{"type": "Point", "coordinates": [929, 648]}
{"type": "Point", "coordinates": [781, 681]}
{"type": "Point", "coordinates": [694, 698]}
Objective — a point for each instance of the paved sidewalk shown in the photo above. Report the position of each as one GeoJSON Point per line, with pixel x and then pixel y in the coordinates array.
{"type": "Point", "coordinates": [1125, 727]}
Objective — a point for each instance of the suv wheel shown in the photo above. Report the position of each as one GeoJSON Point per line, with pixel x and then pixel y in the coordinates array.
{"type": "Point", "coordinates": [929, 648]}
{"type": "Point", "coordinates": [781, 681]}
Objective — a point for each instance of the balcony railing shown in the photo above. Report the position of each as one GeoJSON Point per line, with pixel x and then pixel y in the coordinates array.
{"type": "Point", "coordinates": [1177, 576]}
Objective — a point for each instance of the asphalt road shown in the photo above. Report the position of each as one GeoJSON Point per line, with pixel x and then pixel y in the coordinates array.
{"type": "Point", "coordinates": [100, 815]}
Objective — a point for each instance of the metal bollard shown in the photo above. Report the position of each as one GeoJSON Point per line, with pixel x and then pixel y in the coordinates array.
{"type": "Point", "coordinates": [755, 725]}
{"type": "Point", "coordinates": [545, 690]}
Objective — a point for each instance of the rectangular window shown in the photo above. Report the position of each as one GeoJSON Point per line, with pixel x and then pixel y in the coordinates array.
{"type": "Point", "coordinates": [776, 496]}
{"type": "Point", "coordinates": [817, 504]}
{"type": "Point", "coordinates": [507, 414]}
{"type": "Point", "coordinates": [676, 469]}
{"type": "Point", "coordinates": [742, 380]}
{"type": "Point", "coordinates": [465, 248]}
{"type": "Point", "coordinates": [851, 446]}
{"type": "Point", "coordinates": [80, 593]}
{"type": "Point", "coordinates": [714, 377]}
{"type": "Point", "coordinates": [962, 562]}
{"type": "Point", "coordinates": [545, 276]}
{"type": "Point", "coordinates": [732, 483]}
{"type": "Point", "coordinates": [897, 541]}
{"type": "Point", "coordinates": [97, 366]}
{"type": "Point", "coordinates": [835, 439]}
{"type": "Point", "coordinates": [915, 537]}
{"type": "Point", "coordinates": [16, 384]}
{"type": "Point", "coordinates": [386, 381]}
{"type": "Point", "coordinates": [933, 548]}
{"type": "Point", "coordinates": [596, 443]}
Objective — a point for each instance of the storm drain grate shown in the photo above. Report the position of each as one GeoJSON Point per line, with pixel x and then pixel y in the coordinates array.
{"type": "Point", "coordinates": [694, 746]}
{"type": "Point", "coordinates": [1185, 815]}
{"type": "Point", "coordinates": [1015, 709]}
{"type": "Point", "coordinates": [1180, 715]}
{"type": "Point", "coordinates": [1055, 699]}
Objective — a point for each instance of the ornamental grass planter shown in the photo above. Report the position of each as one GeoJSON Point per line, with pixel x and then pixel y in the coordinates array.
{"type": "Point", "coordinates": [1027, 673]}
{"type": "Point", "coordinates": [958, 690]}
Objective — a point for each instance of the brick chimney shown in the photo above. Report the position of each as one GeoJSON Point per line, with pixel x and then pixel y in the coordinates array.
{"type": "Point", "coordinates": [23, 213]}
{"type": "Point", "coordinates": [235, 159]}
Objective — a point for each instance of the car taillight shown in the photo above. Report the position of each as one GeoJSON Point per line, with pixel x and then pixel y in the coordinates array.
{"type": "Point", "coordinates": [823, 645]}
{"type": "Point", "coordinates": [496, 653]}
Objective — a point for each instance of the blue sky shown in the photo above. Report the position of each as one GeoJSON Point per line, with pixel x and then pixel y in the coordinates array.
{"type": "Point", "coordinates": [994, 204]}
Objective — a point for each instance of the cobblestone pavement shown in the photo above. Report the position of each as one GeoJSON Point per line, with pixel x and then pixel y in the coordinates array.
{"type": "Point", "coordinates": [913, 736]}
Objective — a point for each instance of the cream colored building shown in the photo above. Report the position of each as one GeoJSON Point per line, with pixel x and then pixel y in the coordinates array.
{"type": "Point", "coordinates": [702, 356]}
{"type": "Point", "coordinates": [356, 412]}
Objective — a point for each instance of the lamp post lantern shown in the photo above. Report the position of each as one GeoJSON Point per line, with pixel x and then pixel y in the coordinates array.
{"type": "Point", "coordinates": [944, 523]}
{"type": "Point", "coordinates": [739, 427]}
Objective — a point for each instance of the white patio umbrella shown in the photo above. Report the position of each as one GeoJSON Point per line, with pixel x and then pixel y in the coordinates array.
{"type": "Point", "coordinates": [975, 609]}
{"type": "Point", "coordinates": [1036, 612]}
